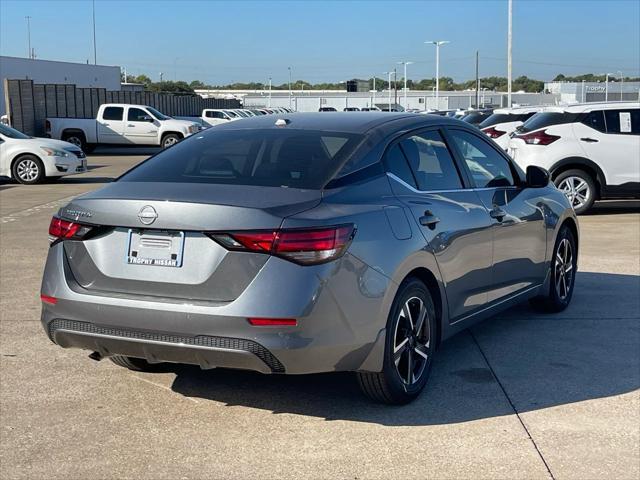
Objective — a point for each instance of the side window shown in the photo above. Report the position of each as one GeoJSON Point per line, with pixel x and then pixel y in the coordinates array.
{"type": "Point", "coordinates": [113, 113]}
{"type": "Point", "coordinates": [431, 163]}
{"type": "Point", "coordinates": [397, 165]}
{"type": "Point", "coordinates": [595, 120]}
{"type": "Point", "coordinates": [625, 122]}
{"type": "Point", "coordinates": [488, 168]}
{"type": "Point", "coordinates": [137, 115]}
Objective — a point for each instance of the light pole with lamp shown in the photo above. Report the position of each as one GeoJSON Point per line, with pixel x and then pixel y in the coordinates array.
{"type": "Point", "coordinates": [437, 43]}
{"type": "Point", "coordinates": [289, 86]}
{"type": "Point", "coordinates": [389, 89]}
{"type": "Point", "coordinates": [405, 81]}
{"type": "Point", "coordinates": [621, 83]}
{"type": "Point", "coordinates": [606, 87]}
{"type": "Point", "coordinates": [269, 91]}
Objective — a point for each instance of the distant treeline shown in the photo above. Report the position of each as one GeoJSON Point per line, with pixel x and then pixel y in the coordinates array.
{"type": "Point", "coordinates": [521, 83]}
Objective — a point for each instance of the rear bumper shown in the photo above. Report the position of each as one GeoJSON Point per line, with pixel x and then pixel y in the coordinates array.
{"type": "Point", "coordinates": [339, 309]}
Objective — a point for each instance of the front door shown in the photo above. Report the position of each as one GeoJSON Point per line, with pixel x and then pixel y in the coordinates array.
{"type": "Point", "coordinates": [453, 220]}
{"type": "Point", "coordinates": [141, 127]}
{"type": "Point", "coordinates": [517, 216]}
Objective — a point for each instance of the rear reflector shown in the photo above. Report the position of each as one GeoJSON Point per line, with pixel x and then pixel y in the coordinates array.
{"type": "Point", "coordinates": [48, 299]}
{"type": "Point", "coordinates": [266, 322]}
{"type": "Point", "coordinates": [309, 246]}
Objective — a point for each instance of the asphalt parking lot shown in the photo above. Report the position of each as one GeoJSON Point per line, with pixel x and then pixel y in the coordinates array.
{"type": "Point", "coordinates": [523, 395]}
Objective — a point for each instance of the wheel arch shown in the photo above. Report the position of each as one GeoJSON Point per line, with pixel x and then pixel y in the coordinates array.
{"type": "Point", "coordinates": [24, 154]}
{"type": "Point", "coordinates": [68, 131]}
{"type": "Point", "coordinates": [179, 134]}
{"type": "Point", "coordinates": [581, 163]}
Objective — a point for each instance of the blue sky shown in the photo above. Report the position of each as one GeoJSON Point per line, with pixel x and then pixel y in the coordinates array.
{"type": "Point", "coordinates": [221, 42]}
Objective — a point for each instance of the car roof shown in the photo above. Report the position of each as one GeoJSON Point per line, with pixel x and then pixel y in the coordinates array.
{"type": "Point", "coordinates": [588, 107]}
{"type": "Point", "coordinates": [340, 121]}
{"type": "Point", "coordinates": [516, 110]}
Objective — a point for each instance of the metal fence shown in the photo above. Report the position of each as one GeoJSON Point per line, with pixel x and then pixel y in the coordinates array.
{"type": "Point", "coordinates": [28, 104]}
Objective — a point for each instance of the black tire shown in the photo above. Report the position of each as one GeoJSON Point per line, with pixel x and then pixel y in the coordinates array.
{"type": "Point", "coordinates": [170, 139]}
{"type": "Point", "coordinates": [28, 170]}
{"type": "Point", "coordinates": [398, 385]}
{"type": "Point", "coordinates": [89, 147]}
{"type": "Point", "coordinates": [565, 179]}
{"type": "Point", "coordinates": [76, 138]}
{"type": "Point", "coordinates": [135, 364]}
{"type": "Point", "coordinates": [559, 297]}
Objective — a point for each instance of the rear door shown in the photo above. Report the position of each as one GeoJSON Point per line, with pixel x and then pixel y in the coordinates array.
{"type": "Point", "coordinates": [611, 138]}
{"type": "Point", "coordinates": [518, 228]}
{"type": "Point", "coordinates": [111, 125]}
{"type": "Point", "coordinates": [141, 128]}
{"type": "Point", "coordinates": [453, 220]}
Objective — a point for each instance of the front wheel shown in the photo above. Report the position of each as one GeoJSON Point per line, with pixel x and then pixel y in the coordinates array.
{"type": "Point", "coordinates": [169, 140]}
{"type": "Point", "coordinates": [409, 349]}
{"type": "Point", "coordinates": [579, 188]}
{"type": "Point", "coordinates": [28, 170]}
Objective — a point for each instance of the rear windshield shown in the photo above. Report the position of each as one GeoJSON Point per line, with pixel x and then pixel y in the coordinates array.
{"type": "Point", "coordinates": [546, 119]}
{"type": "Point", "coordinates": [474, 118]}
{"type": "Point", "coordinates": [497, 118]}
{"type": "Point", "coordinates": [271, 157]}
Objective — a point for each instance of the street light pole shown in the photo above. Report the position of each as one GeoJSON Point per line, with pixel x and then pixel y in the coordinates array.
{"type": "Point", "coordinates": [29, 54]}
{"type": "Point", "coordinates": [509, 62]}
{"type": "Point", "coordinates": [373, 102]}
{"type": "Point", "coordinates": [606, 88]}
{"type": "Point", "coordinates": [405, 81]}
{"type": "Point", "coordinates": [289, 86]}
{"type": "Point", "coordinates": [95, 55]}
{"type": "Point", "coordinates": [621, 83]}
{"type": "Point", "coordinates": [269, 91]}
{"type": "Point", "coordinates": [438, 43]}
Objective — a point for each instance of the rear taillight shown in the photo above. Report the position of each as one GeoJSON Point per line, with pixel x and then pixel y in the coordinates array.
{"type": "Point", "coordinates": [273, 322]}
{"type": "Point", "coordinates": [303, 246]}
{"type": "Point", "coordinates": [537, 138]}
{"type": "Point", "coordinates": [492, 132]}
{"type": "Point", "coordinates": [60, 229]}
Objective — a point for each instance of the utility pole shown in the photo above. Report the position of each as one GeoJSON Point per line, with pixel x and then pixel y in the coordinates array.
{"type": "Point", "coordinates": [606, 88]}
{"type": "Point", "coordinates": [373, 102]}
{"type": "Point", "coordinates": [509, 71]}
{"type": "Point", "coordinates": [269, 91]}
{"type": "Point", "coordinates": [29, 36]}
{"type": "Point", "coordinates": [477, 81]}
{"type": "Point", "coordinates": [389, 89]}
{"type": "Point", "coordinates": [161, 74]}
{"type": "Point", "coordinates": [395, 87]}
{"type": "Point", "coordinates": [621, 83]}
{"type": "Point", "coordinates": [95, 55]}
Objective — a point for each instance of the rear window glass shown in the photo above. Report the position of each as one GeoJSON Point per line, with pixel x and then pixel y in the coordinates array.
{"type": "Point", "coordinates": [274, 158]}
{"type": "Point", "coordinates": [497, 118]}
{"type": "Point", "coordinates": [546, 119]}
{"type": "Point", "coordinates": [113, 113]}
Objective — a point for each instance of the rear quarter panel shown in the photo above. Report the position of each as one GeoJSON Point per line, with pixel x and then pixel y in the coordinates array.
{"type": "Point", "coordinates": [86, 125]}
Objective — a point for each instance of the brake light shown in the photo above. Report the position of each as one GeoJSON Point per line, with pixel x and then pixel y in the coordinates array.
{"type": "Point", "coordinates": [492, 132]}
{"type": "Point", "coordinates": [60, 229]}
{"type": "Point", "coordinates": [270, 322]}
{"type": "Point", "coordinates": [303, 246]}
{"type": "Point", "coordinates": [48, 299]}
{"type": "Point", "coordinates": [538, 138]}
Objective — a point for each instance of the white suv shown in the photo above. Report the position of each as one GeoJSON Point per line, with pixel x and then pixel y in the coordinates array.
{"type": "Point", "coordinates": [591, 150]}
{"type": "Point", "coordinates": [503, 121]}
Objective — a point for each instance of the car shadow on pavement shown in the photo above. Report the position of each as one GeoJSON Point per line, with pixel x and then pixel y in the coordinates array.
{"type": "Point", "coordinates": [614, 207]}
{"type": "Point", "coordinates": [82, 180]}
{"type": "Point", "coordinates": [587, 352]}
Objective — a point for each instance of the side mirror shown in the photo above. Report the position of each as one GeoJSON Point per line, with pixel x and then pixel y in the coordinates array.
{"type": "Point", "coordinates": [148, 119]}
{"type": "Point", "coordinates": [537, 177]}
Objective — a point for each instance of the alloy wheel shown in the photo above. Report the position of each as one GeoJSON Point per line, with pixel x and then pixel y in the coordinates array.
{"type": "Point", "coordinates": [75, 141]}
{"type": "Point", "coordinates": [563, 269]}
{"type": "Point", "coordinates": [577, 191]}
{"type": "Point", "coordinates": [27, 170]}
{"type": "Point", "coordinates": [411, 341]}
{"type": "Point", "coordinates": [170, 141]}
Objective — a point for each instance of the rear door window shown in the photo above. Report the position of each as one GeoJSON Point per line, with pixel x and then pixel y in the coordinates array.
{"type": "Point", "coordinates": [595, 120]}
{"type": "Point", "coordinates": [430, 161]}
{"type": "Point", "coordinates": [397, 165]}
{"type": "Point", "coordinates": [113, 113]}
{"type": "Point", "coordinates": [623, 122]}
{"type": "Point", "coordinates": [305, 159]}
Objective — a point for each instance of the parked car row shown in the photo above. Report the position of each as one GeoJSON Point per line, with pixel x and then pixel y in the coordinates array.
{"type": "Point", "coordinates": [217, 116]}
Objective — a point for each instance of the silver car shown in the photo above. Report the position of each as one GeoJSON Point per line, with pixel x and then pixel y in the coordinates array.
{"type": "Point", "coordinates": [308, 243]}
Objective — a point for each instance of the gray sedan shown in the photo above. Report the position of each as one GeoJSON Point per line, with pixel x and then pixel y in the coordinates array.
{"type": "Point", "coordinates": [308, 243]}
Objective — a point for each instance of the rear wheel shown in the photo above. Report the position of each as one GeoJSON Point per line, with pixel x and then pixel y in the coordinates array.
{"type": "Point", "coordinates": [76, 138]}
{"type": "Point", "coordinates": [563, 274]}
{"type": "Point", "coordinates": [28, 170]}
{"type": "Point", "coordinates": [409, 349]}
{"type": "Point", "coordinates": [579, 187]}
{"type": "Point", "coordinates": [135, 364]}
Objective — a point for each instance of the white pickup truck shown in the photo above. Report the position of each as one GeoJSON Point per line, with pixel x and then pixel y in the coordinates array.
{"type": "Point", "coordinates": [123, 125]}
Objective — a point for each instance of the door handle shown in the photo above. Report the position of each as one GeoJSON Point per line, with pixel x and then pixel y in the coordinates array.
{"type": "Point", "coordinates": [130, 125]}
{"type": "Point", "coordinates": [589, 140]}
{"type": "Point", "coordinates": [429, 220]}
{"type": "Point", "coordinates": [497, 213]}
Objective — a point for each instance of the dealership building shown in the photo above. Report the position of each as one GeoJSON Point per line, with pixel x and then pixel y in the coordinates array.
{"type": "Point", "coordinates": [581, 92]}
